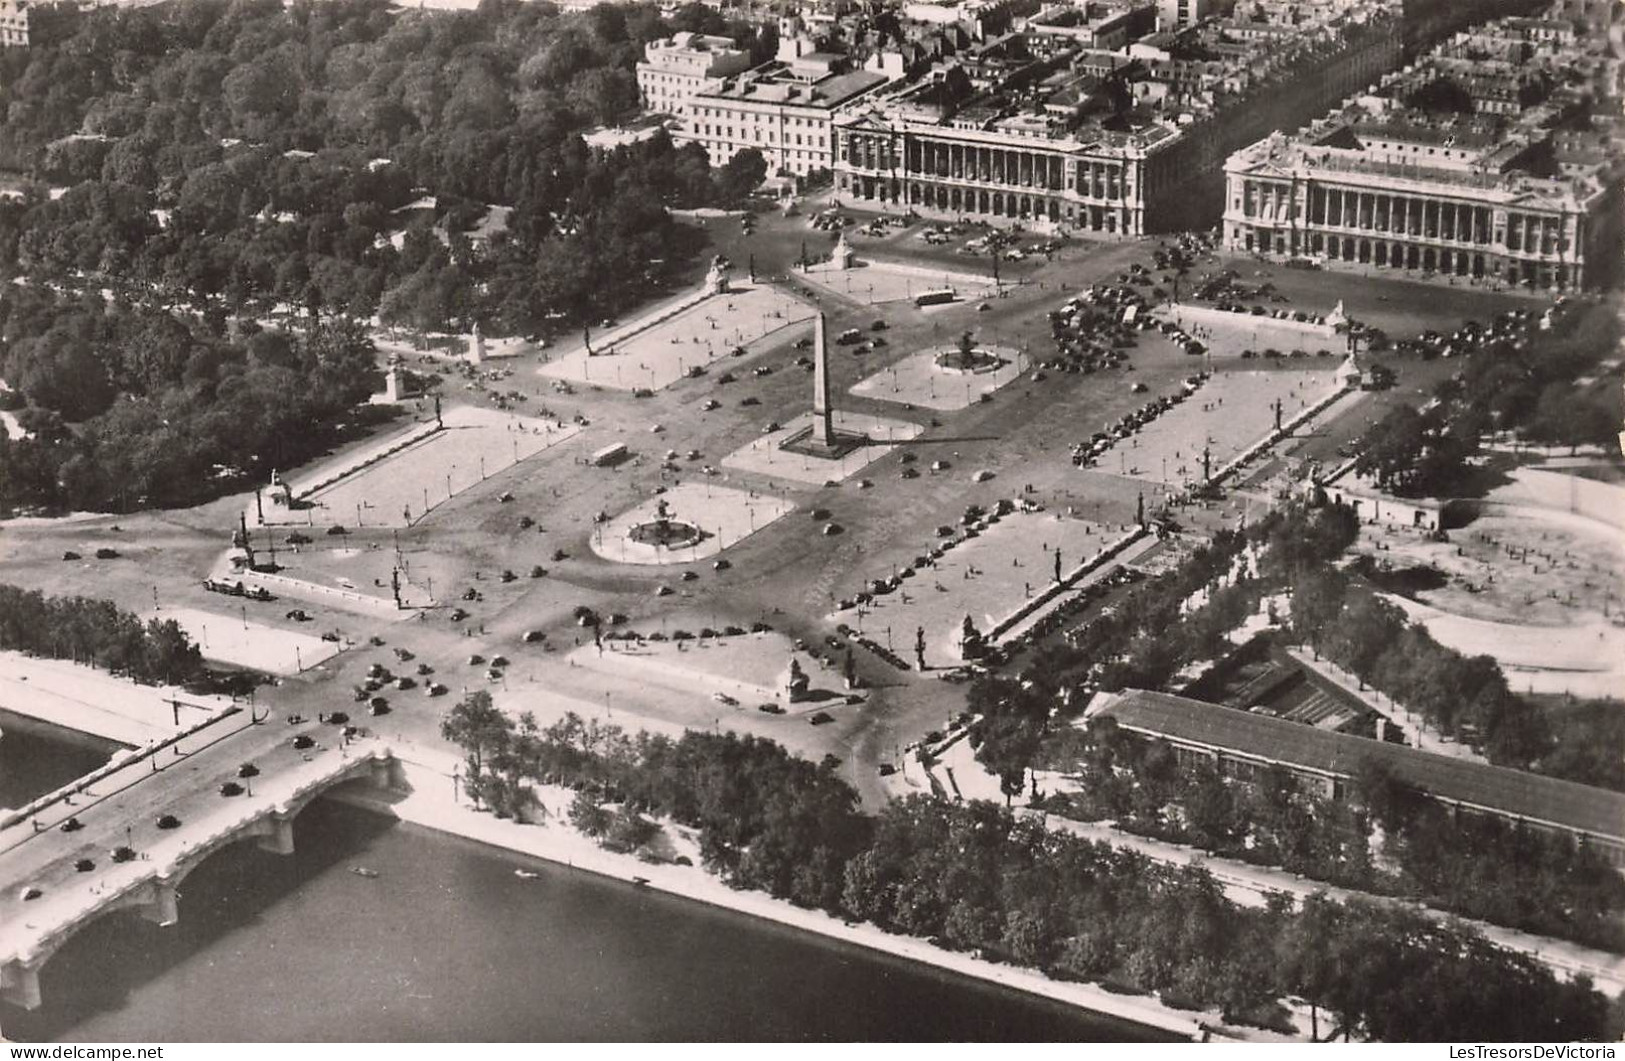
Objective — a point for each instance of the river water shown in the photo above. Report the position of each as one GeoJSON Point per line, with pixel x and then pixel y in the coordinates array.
{"type": "Point", "coordinates": [37, 758]}
{"type": "Point", "coordinates": [446, 943]}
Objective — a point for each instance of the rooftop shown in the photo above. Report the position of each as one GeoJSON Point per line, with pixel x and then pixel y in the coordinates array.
{"type": "Point", "coordinates": [1514, 793]}
{"type": "Point", "coordinates": [775, 84]}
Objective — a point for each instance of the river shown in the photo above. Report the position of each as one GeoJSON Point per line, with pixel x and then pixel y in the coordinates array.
{"type": "Point", "coordinates": [37, 758]}
{"type": "Point", "coordinates": [446, 943]}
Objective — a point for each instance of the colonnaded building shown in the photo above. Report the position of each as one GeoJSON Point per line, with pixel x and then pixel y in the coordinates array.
{"type": "Point", "coordinates": [1489, 159]}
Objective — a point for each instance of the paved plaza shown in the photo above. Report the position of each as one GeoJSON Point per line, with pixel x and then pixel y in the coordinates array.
{"type": "Point", "coordinates": [398, 490]}
{"type": "Point", "coordinates": [767, 455]}
{"type": "Point", "coordinates": [987, 578]}
{"type": "Point", "coordinates": [880, 282]}
{"type": "Point", "coordinates": [662, 346]}
{"type": "Point", "coordinates": [1227, 334]}
{"type": "Point", "coordinates": [920, 381]}
{"type": "Point", "coordinates": [1229, 413]}
{"type": "Point", "coordinates": [243, 642]}
{"type": "Point", "coordinates": [725, 515]}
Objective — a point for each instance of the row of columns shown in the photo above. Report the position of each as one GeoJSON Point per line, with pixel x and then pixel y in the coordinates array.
{"type": "Point", "coordinates": [993, 165]}
{"type": "Point", "coordinates": [1415, 256]}
{"type": "Point", "coordinates": [989, 165]}
{"type": "Point", "coordinates": [1401, 215]}
{"type": "Point", "coordinates": [958, 200]}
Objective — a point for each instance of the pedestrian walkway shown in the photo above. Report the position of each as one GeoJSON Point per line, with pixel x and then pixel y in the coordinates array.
{"type": "Point", "coordinates": [1415, 725]}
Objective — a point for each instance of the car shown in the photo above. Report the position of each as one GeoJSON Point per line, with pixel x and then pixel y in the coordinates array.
{"type": "Point", "coordinates": [821, 718]}
{"type": "Point", "coordinates": [710, 405]}
{"type": "Point", "coordinates": [750, 400]}
{"type": "Point", "coordinates": [772, 426]}
{"type": "Point", "coordinates": [849, 337]}
{"type": "Point", "coordinates": [689, 576]}
{"type": "Point", "coordinates": [762, 370]}
{"type": "Point", "coordinates": [69, 554]}
{"type": "Point", "coordinates": [724, 698]}
{"type": "Point", "coordinates": [458, 615]}
{"type": "Point", "coordinates": [770, 709]}
{"type": "Point", "coordinates": [831, 530]}
{"type": "Point", "coordinates": [337, 529]}
{"type": "Point", "coordinates": [804, 344]}
{"type": "Point", "coordinates": [910, 473]}
{"type": "Point", "coordinates": [298, 615]}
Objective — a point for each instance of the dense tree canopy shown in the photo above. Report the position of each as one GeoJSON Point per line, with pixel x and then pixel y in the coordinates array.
{"type": "Point", "coordinates": [98, 633]}
{"type": "Point", "coordinates": [975, 877]}
{"type": "Point", "coordinates": [198, 162]}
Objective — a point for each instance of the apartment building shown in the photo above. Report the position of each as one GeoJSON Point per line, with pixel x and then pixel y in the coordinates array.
{"type": "Point", "coordinates": [784, 109]}
{"type": "Point", "coordinates": [14, 23]}
{"type": "Point", "coordinates": [679, 67]}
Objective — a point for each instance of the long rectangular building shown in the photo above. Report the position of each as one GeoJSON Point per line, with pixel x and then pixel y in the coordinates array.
{"type": "Point", "coordinates": [1243, 744]}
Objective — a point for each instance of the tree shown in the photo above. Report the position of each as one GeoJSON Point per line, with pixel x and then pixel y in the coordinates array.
{"type": "Point", "coordinates": [478, 727]}
{"type": "Point", "coordinates": [1388, 800]}
{"type": "Point", "coordinates": [741, 175]}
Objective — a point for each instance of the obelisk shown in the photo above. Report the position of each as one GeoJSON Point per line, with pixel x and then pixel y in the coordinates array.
{"type": "Point", "coordinates": [823, 426]}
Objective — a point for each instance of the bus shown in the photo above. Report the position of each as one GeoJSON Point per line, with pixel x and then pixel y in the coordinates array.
{"type": "Point", "coordinates": [610, 455]}
{"type": "Point", "coordinates": [935, 297]}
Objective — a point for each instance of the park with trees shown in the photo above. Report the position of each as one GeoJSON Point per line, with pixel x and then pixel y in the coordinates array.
{"type": "Point", "coordinates": [980, 878]}
{"type": "Point", "coordinates": [1526, 382]}
{"type": "Point", "coordinates": [189, 173]}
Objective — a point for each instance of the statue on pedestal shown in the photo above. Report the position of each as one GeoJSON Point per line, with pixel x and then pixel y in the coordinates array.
{"type": "Point", "coordinates": [797, 682]}
{"type": "Point", "coordinates": [841, 256]}
{"type": "Point", "coordinates": [716, 281]}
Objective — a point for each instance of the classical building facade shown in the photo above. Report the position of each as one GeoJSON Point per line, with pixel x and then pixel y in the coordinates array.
{"type": "Point", "coordinates": [997, 173]}
{"type": "Point", "coordinates": [1503, 183]}
{"type": "Point", "coordinates": [1518, 229]}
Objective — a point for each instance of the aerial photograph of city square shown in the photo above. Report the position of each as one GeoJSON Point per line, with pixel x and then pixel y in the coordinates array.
{"type": "Point", "coordinates": [517, 520]}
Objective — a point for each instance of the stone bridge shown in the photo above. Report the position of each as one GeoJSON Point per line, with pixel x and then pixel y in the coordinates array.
{"type": "Point", "coordinates": [67, 899]}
